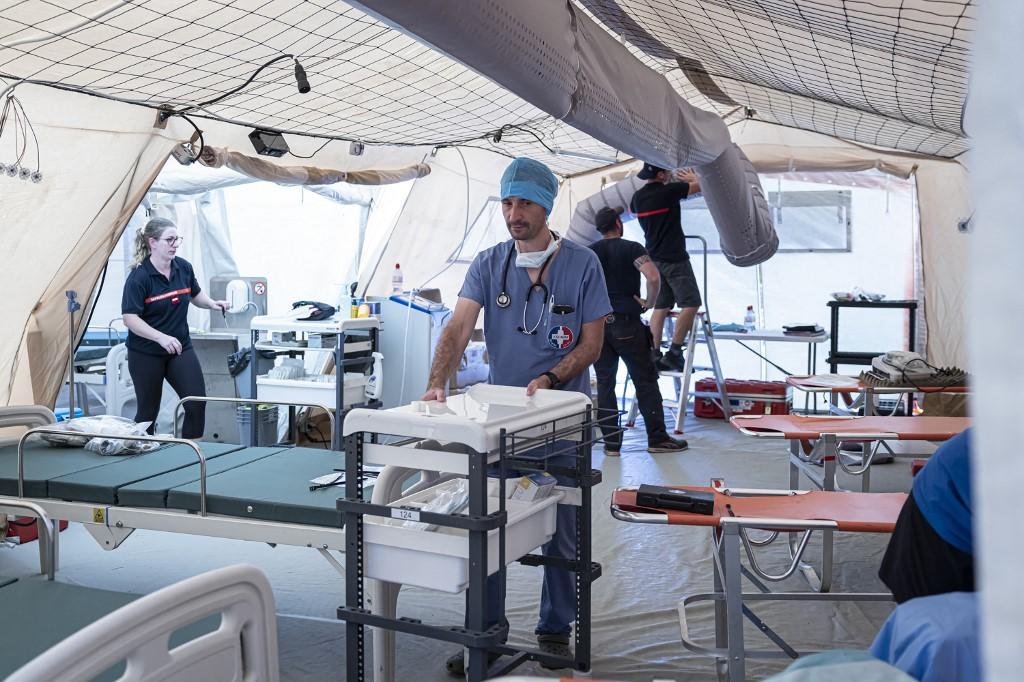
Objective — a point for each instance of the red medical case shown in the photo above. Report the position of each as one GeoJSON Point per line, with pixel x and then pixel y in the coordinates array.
{"type": "Point", "coordinates": [24, 528]}
{"type": "Point", "coordinates": [745, 397]}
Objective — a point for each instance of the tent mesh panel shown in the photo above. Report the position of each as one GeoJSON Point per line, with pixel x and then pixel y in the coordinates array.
{"type": "Point", "coordinates": [890, 73]}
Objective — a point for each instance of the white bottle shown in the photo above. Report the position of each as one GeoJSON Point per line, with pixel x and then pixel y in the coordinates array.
{"type": "Point", "coordinates": [397, 281]}
{"type": "Point", "coordinates": [749, 320]}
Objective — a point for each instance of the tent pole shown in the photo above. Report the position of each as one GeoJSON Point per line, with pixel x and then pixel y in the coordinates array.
{"type": "Point", "coordinates": [73, 305]}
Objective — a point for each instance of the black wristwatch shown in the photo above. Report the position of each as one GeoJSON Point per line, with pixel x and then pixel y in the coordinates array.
{"type": "Point", "coordinates": [553, 378]}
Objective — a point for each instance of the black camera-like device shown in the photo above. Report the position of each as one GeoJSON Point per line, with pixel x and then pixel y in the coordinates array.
{"type": "Point", "coordinates": [693, 501]}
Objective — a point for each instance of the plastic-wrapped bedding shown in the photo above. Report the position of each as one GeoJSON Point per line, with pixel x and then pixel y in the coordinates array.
{"type": "Point", "coordinates": [109, 425]}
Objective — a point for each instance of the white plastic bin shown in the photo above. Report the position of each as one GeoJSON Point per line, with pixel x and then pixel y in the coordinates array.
{"type": "Point", "coordinates": [439, 559]}
{"type": "Point", "coordinates": [319, 392]}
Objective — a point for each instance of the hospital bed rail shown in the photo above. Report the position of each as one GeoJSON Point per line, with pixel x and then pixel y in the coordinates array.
{"type": "Point", "coordinates": [87, 434]}
{"type": "Point", "coordinates": [243, 645]}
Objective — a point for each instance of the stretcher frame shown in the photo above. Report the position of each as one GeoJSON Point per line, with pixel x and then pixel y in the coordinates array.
{"type": "Point", "coordinates": [841, 401]}
{"type": "Point", "coordinates": [730, 601]}
{"type": "Point", "coordinates": [820, 459]}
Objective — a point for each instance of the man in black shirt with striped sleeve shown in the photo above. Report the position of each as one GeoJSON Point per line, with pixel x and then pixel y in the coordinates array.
{"type": "Point", "coordinates": [656, 207]}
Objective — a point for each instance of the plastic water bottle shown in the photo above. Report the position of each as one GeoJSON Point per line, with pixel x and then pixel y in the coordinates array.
{"type": "Point", "coordinates": [397, 281]}
{"type": "Point", "coordinates": [749, 319]}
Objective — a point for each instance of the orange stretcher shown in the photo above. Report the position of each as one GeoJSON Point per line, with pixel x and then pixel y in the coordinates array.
{"type": "Point", "coordinates": [737, 511]}
{"type": "Point", "coordinates": [814, 440]}
{"type": "Point", "coordinates": [850, 512]}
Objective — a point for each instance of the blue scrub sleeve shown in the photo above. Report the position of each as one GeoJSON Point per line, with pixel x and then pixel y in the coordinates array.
{"type": "Point", "coordinates": [474, 287]}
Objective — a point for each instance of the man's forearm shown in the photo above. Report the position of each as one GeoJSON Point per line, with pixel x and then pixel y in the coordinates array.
{"type": "Point", "coordinates": [653, 287]}
{"type": "Point", "coordinates": [576, 362]}
{"type": "Point", "coordinates": [446, 358]}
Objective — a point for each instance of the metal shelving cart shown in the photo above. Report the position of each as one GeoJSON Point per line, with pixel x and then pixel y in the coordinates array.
{"type": "Point", "coordinates": [355, 343]}
{"type": "Point", "coordinates": [494, 430]}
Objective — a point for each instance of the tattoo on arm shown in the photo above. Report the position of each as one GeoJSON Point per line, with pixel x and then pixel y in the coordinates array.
{"type": "Point", "coordinates": [639, 262]}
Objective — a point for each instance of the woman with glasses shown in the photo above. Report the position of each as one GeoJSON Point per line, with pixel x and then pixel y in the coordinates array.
{"type": "Point", "coordinates": [154, 307]}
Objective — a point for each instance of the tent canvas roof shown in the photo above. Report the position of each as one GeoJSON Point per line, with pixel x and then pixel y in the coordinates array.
{"type": "Point", "coordinates": [890, 73]}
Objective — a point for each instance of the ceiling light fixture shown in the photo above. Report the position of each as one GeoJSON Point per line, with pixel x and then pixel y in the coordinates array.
{"type": "Point", "coordinates": [584, 156]}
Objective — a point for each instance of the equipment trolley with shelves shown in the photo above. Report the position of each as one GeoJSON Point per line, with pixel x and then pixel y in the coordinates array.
{"type": "Point", "coordinates": [487, 430]}
{"type": "Point", "coordinates": [354, 345]}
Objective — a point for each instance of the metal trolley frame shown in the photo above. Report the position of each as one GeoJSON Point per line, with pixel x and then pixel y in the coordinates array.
{"type": "Point", "coordinates": [474, 633]}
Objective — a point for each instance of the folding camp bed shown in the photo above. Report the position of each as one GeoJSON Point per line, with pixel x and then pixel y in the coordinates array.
{"type": "Point", "coordinates": [218, 625]}
{"type": "Point", "coordinates": [814, 441]}
{"type": "Point", "coordinates": [735, 513]}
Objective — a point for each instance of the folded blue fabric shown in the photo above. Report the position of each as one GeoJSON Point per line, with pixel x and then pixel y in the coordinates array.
{"type": "Point", "coordinates": [933, 639]}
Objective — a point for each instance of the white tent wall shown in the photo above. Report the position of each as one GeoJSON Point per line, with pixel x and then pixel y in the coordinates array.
{"type": "Point", "coordinates": [98, 159]}
{"type": "Point", "coordinates": [432, 223]}
{"type": "Point", "coordinates": [942, 203]}
{"type": "Point", "coordinates": [97, 162]}
{"type": "Point", "coordinates": [995, 328]}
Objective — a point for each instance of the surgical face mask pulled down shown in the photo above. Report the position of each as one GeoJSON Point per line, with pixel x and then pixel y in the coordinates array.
{"type": "Point", "coordinates": [535, 259]}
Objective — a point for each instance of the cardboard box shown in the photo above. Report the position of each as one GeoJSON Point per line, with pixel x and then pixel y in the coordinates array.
{"type": "Point", "coordinates": [535, 486]}
{"type": "Point", "coordinates": [319, 340]}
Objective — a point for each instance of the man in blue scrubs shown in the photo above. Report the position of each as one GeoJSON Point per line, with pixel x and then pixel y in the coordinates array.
{"type": "Point", "coordinates": [545, 302]}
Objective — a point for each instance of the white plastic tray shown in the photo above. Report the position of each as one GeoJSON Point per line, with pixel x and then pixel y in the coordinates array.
{"type": "Point", "coordinates": [474, 418]}
{"type": "Point", "coordinates": [333, 324]}
{"type": "Point", "coordinates": [439, 559]}
{"type": "Point", "coordinates": [319, 392]}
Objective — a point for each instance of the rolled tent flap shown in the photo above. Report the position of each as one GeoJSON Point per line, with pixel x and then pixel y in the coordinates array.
{"type": "Point", "coordinates": [562, 62]}
{"type": "Point", "coordinates": [216, 157]}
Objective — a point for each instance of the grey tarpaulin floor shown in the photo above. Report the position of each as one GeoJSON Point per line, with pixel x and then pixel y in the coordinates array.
{"type": "Point", "coordinates": [647, 569]}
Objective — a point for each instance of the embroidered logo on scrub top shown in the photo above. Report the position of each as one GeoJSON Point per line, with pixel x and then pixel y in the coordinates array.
{"type": "Point", "coordinates": [560, 337]}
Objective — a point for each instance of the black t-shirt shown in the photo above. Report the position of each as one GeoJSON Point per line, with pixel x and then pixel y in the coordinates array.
{"type": "Point", "coordinates": [656, 206]}
{"type": "Point", "coordinates": [160, 302]}
{"type": "Point", "coordinates": [617, 258]}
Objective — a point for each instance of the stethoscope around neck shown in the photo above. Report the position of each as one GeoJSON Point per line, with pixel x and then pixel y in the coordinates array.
{"type": "Point", "coordinates": [504, 300]}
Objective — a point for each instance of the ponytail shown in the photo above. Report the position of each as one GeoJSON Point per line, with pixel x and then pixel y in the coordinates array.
{"type": "Point", "coordinates": [151, 230]}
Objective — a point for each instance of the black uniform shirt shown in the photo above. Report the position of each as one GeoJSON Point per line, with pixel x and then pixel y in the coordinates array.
{"type": "Point", "coordinates": [656, 207]}
{"type": "Point", "coordinates": [160, 302]}
{"type": "Point", "coordinates": [617, 258]}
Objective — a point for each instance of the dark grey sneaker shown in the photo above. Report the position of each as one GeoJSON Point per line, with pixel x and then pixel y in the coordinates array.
{"type": "Point", "coordinates": [554, 645]}
{"type": "Point", "coordinates": [670, 362]}
{"type": "Point", "coordinates": [669, 445]}
{"type": "Point", "coordinates": [456, 663]}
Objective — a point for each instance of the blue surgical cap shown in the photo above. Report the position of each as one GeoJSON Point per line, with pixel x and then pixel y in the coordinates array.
{"type": "Point", "coordinates": [529, 179]}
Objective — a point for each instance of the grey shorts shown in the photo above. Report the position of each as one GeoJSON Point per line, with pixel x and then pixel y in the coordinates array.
{"type": "Point", "coordinates": [678, 286]}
